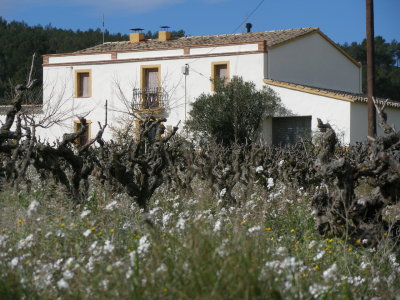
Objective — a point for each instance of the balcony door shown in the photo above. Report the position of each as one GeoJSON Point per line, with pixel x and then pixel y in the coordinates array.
{"type": "Point", "coordinates": [151, 88]}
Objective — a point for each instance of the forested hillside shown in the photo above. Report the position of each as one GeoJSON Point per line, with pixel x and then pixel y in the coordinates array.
{"type": "Point", "coordinates": [18, 42]}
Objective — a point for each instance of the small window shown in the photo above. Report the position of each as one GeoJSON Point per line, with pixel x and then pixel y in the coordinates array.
{"type": "Point", "coordinates": [85, 137]}
{"type": "Point", "coordinates": [219, 71]}
{"type": "Point", "coordinates": [83, 84]}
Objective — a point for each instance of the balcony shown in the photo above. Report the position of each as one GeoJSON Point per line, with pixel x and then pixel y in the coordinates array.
{"type": "Point", "coordinates": [149, 100]}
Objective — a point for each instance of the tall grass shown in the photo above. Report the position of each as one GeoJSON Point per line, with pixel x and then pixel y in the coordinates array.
{"type": "Point", "coordinates": [196, 249]}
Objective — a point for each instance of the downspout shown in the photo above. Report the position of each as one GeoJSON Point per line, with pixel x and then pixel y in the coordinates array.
{"type": "Point", "coordinates": [268, 68]}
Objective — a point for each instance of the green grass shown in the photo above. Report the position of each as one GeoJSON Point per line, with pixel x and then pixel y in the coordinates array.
{"type": "Point", "coordinates": [266, 248]}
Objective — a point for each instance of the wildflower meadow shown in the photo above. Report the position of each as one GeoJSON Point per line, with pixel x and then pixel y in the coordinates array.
{"type": "Point", "coordinates": [194, 248]}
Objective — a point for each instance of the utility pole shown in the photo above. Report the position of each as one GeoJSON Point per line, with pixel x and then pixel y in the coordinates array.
{"type": "Point", "coordinates": [370, 68]}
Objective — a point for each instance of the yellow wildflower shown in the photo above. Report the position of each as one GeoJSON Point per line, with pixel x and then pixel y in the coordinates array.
{"type": "Point", "coordinates": [92, 228]}
{"type": "Point", "coordinates": [350, 249]}
{"type": "Point", "coordinates": [62, 225]}
{"type": "Point", "coordinates": [316, 267]}
{"type": "Point", "coordinates": [385, 234]}
{"type": "Point", "coordinates": [292, 230]}
{"type": "Point", "coordinates": [112, 230]}
{"type": "Point", "coordinates": [267, 228]}
{"type": "Point", "coordinates": [358, 242]}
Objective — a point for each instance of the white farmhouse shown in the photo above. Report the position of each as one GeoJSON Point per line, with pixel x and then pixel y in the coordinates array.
{"type": "Point", "coordinates": [312, 75]}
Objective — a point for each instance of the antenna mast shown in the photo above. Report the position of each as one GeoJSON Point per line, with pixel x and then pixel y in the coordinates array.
{"type": "Point", "coordinates": [103, 28]}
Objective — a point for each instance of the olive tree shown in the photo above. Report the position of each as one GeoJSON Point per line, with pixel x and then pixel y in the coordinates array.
{"type": "Point", "coordinates": [233, 113]}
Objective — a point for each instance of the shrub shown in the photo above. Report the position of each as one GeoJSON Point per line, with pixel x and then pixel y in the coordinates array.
{"type": "Point", "coordinates": [234, 112]}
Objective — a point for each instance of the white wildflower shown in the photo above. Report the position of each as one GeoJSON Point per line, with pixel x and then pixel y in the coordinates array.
{"type": "Point", "coordinates": [26, 242]}
{"type": "Point", "coordinates": [330, 273]}
{"type": "Point", "coordinates": [62, 284]}
{"type": "Point", "coordinates": [93, 246]}
{"type": "Point", "coordinates": [90, 265]}
{"type": "Point", "coordinates": [129, 273]}
{"type": "Point", "coordinates": [259, 169]}
{"type": "Point", "coordinates": [270, 183]}
{"type": "Point", "coordinates": [364, 265]}
{"type": "Point", "coordinates": [68, 263]}
{"type": "Point", "coordinates": [3, 240]}
{"type": "Point", "coordinates": [282, 251]}
{"type": "Point", "coordinates": [181, 224]}
{"type": "Point", "coordinates": [217, 226]}
{"type": "Point", "coordinates": [67, 274]}
{"type": "Point", "coordinates": [87, 233]}
{"type": "Point", "coordinates": [317, 290]}
{"type": "Point", "coordinates": [104, 283]}
{"type": "Point", "coordinates": [108, 247]}
{"type": "Point", "coordinates": [312, 244]}
{"type": "Point", "coordinates": [111, 205]}
{"type": "Point", "coordinates": [222, 193]}
{"type": "Point", "coordinates": [32, 207]}
{"type": "Point", "coordinates": [85, 213]}
{"type": "Point", "coordinates": [254, 229]}
{"type": "Point", "coordinates": [166, 218]}
{"type": "Point", "coordinates": [144, 245]}
{"type": "Point", "coordinates": [281, 163]}
{"type": "Point", "coordinates": [162, 268]}
{"type": "Point", "coordinates": [14, 262]}
{"type": "Point", "coordinates": [319, 255]}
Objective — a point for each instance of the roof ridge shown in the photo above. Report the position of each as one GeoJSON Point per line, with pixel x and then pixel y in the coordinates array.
{"type": "Point", "coordinates": [253, 32]}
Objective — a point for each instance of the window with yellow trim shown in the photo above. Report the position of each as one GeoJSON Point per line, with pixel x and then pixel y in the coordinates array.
{"type": "Point", "coordinates": [151, 86]}
{"type": "Point", "coordinates": [219, 72]}
{"type": "Point", "coordinates": [83, 83]}
{"type": "Point", "coordinates": [86, 136]}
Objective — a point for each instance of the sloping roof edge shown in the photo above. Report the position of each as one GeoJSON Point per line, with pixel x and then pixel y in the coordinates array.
{"type": "Point", "coordinates": [339, 95]}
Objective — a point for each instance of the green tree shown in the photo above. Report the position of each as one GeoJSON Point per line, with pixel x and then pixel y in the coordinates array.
{"type": "Point", "coordinates": [387, 71]}
{"type": "Point", "coordinates": [233, 113]}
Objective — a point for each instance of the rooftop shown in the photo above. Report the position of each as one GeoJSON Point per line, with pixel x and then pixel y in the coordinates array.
{"type": "Point", "coordinates": [341, 95]}
{"type": "Point", "coordinates": [271, 37]}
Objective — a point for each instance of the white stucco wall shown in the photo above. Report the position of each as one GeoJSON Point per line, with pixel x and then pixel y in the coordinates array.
{"type": "Point", "coordinates": [148, 54]}
{"type": "Point", "coordinates": [107, 78]}
{"type": "Point", "coordinates": [359, 121]}
{"type": "Point", "coordinates": [79, 58]}
{"type": "Point", "coordinates": [224, 49]}
{"type": "Point", "coordinates": [336, 112]}
{"type": "Point", "coordinates": [313, 61]}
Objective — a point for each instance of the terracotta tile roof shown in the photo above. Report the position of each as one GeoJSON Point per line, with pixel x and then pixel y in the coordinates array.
{"type": "Point", "coordinates": [341, 95]}
{"type": "Point", "coordinates": [271, 37]}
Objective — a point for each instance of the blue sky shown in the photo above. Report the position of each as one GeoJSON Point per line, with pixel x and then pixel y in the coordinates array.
{"type": "Point", "coordinates": [341, 20]}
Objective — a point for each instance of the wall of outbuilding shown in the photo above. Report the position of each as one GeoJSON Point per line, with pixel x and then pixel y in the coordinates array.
{"type": "Point", "coordinates": [312, 60]}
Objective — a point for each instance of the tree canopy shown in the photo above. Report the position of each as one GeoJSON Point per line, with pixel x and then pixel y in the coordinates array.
{"type": "Point", "coordinates": [234, 112]}
{"type": "Point", "coordinates": [387, 70]}
{"type": "Point", "coordinates": [19, 41]}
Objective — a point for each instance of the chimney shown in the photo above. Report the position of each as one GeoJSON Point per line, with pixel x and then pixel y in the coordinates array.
{"type": "Point", "coordinates": [136, 36]}
{"type": "Point", "coordinates": [164, 34]}
{"type": "Point", "coordinates": [248, 27]}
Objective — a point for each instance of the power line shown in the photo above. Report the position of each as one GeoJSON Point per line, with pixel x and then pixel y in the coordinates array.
{"type": "Point", "coordinates": [248, 17]}
{"type": "Point", "coordinates": [240, 25]}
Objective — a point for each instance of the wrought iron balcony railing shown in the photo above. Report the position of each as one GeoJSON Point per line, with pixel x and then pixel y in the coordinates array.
{"type": "Point", "coordinates": [149, 99]}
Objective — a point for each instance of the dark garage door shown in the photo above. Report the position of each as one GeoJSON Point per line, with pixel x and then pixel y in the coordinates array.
{"type": "Point", "coordinates": [287, 130]}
